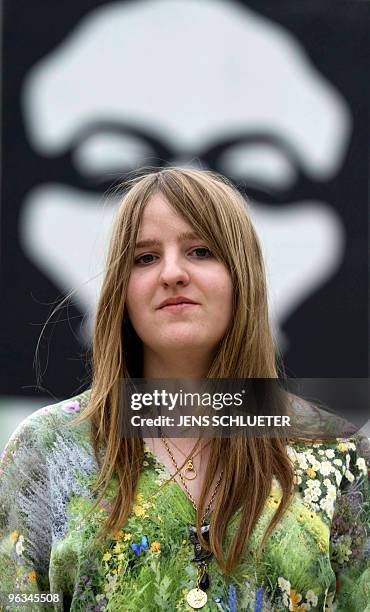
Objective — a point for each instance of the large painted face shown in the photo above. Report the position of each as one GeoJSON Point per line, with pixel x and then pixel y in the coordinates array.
{"type": "Point", "coordinates": [173, 263]}
{"type": "Point", "coordinates": [261, 121]}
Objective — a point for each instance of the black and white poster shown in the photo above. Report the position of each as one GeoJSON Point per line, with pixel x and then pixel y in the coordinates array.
{"type": "Point", "coordinates": [272, 94]}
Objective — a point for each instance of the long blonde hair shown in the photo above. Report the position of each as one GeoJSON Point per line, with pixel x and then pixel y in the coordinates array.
{"type": "Point", "coordinates": [218, 213]}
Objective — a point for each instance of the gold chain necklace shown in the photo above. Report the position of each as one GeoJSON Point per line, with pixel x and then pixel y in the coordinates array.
{"type": "Point", "coordinates": [197, 597]}
{"type": "Point", "coordinates": [185, 485]}
{"type": "Point", "coordinates": [190, 472]}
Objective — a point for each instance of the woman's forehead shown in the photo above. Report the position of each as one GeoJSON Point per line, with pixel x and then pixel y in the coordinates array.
{"type": "Point", "coordinates": [158, 214]}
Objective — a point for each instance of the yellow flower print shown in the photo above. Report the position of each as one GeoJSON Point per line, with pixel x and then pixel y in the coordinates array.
{"type": "Point", "coordinates": [118, 535]}
{"type": "Point", "coordinates": [32, 577]}
{"type": "Point", "coordinates": [117, 548]}
{"type": "Point", "coordinates": [138, 510]}
{"type": "Point", "coordinates": [127, 536]}
{"type": "Point", "coordinates": [311, 473]}
{"type": "Point", "coordinates": [155, 546]}
{"type": "Point", "coordinates": [295, 598]}
{"type": "Point", "coordinates": [342, 447]}
{"type": "Point", "coordinates": [107, 556]}
{"type": "Point", "coordinates": [323, 546]}
{"type": "Point", "coordinates": [270, 502]}
{"type": "Point", "coordinates": [120, 557]}
{"type": "Point", "coordinates": [14, 536]}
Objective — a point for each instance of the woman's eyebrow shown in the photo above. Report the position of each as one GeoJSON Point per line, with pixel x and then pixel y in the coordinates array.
{"type": "Point", "coordinates": [157, 243]}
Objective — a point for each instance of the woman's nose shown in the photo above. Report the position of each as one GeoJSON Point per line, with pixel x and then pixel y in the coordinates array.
{"type": "Point", "coordinates": [174, 271]}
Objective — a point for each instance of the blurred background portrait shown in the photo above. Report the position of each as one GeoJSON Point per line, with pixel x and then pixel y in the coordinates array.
{"type": "Point", "coordinates": [272, 95]}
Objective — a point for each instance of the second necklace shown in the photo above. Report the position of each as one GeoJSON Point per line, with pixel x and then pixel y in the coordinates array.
{"type": "Point", "coordinates": [189, 472]}
{"type": "Point", "coordinates": [197, 597]}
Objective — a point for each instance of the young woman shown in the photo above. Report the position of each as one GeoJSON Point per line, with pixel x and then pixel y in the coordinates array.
{"type": "Point", "coordinates": [100, 521]}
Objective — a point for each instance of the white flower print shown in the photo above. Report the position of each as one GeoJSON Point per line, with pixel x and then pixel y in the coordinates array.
{"type": "Point", "coordinates": [361, 464]}
{"type": "Point", "coordinates": [329, 603]}
{"type": "Point", "coordinates": [315, 464]}
{"type": "Point", "coordinates": [284, 584]}
{"type": "Point", "coordinates": [292, 453]}
{"type": "Point", "coordinates": [302, 461]}
{"type": "Point", "coordinates": [312, 598]}
{"type": "Point", "coordinates": [326, 468]}
{"type": "Point", "coordinates": [338, 477]}
{"type": "Point", "coordinates": [328, 506]}
{"type": "Point", "coordinates": [312, 484]}
{"type": "Point", "coordinates": [331, 494]}
{"type": "Point", "coordinates": [286, 600]}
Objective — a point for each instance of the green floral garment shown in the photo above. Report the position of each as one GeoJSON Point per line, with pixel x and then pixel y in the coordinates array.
{"type": "Point", "coordinates": [316, 559]}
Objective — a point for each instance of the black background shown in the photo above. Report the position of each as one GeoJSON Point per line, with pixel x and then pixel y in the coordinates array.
{"type": "Point", "coordinates": [328, 333]}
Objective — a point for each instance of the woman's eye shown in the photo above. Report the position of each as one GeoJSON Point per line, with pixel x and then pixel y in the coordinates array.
{"type": "Point", "coordinates": [145, 259]}
{"type": "Point", "coordinates": [202, 252]}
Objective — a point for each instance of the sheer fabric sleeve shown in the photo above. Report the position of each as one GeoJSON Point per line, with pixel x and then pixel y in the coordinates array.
{"type": "Point", "coordinates": [25, 513]}
{"type": "Point", "coordinates": [350, 531]}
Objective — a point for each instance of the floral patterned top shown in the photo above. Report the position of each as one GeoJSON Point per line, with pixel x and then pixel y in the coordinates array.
{"type": "Point", "coordinates": [318, 557]}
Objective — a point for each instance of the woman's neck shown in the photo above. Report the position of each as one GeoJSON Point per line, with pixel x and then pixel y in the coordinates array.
{"type": "Point", "coordinates": [182, 364]}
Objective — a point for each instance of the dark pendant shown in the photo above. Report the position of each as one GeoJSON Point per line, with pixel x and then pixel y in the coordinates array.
{"type": "Point", "coordinates": [200, 554]}
{"type": "Point", "coordinates": [204, 582]}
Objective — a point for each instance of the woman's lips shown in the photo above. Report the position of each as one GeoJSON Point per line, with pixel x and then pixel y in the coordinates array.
{"type": "Point", "coordinates": [178, 307]}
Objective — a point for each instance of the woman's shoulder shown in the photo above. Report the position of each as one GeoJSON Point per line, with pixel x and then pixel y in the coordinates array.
{"type": "Point", "coordinates": [317, 427]}
{"type": "Point", "coordinates": [50, 426]}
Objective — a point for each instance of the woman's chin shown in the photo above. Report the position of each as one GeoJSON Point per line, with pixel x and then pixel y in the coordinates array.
{"type": "Point", "coordinates": [184, 342]}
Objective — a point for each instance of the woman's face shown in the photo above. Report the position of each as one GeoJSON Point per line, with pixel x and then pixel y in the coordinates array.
{"type": "Point", "coordinates": [172, 264]}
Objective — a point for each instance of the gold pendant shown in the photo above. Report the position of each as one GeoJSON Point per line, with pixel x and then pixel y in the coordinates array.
{"type": "Point", "coordinates": [191, 469]}
{"type": "Point", "coordinates": [196, 598]}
